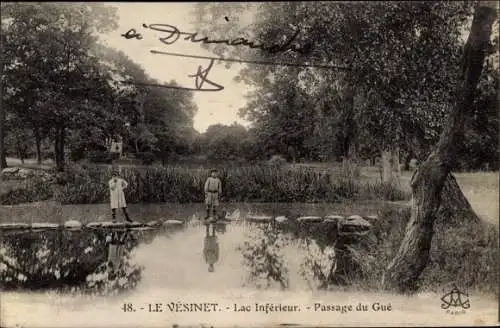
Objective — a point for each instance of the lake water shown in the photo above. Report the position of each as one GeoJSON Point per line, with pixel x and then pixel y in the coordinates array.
{"type": "Point", "coordinates": [175, 272]}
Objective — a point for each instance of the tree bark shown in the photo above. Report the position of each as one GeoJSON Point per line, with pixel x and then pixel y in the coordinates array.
{"type": "Point", "coordinates": [429, 180]}
{"type": "Point", "coordinates": [391, 171]}
{"type": "Point", "coordinates": [3, 161]}
{"type": "Point", "coordinates": [455, 209]}
{"type": "Point", "coordinates": [38, 144]}
{"type": "Point", "coordinates": [59, 148]}
{"type": "Point", "coordinates": [386, 166]}
{"type": "Point", "coordinates": [396, 164]}
{"type": "Point", "coordinates": [19, 149]}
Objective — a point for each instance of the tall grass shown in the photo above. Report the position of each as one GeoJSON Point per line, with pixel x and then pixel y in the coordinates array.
{"type": "Point", "coordinates": [258, 183]}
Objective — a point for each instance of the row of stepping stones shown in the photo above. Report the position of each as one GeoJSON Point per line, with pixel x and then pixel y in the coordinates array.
{"type": "Point", "coordinates": [355, 221]}
{"type": "Point", "coordinates": [354, 224]}
{"type": "Point", "coordinates": [77, 225]}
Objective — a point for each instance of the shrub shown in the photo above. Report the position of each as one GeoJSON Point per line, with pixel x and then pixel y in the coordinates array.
{"type": "Point", "coordinates": [34, 190]}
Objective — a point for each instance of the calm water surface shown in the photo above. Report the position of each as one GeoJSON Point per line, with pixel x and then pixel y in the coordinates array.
{"type": "Point", "coordinates": [175, 271]}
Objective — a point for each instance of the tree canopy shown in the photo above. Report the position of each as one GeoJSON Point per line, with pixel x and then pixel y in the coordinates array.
{"type": "Point", "coordinates": [402, 62]}
{"type": "Point", "coordinates": [62, 84]}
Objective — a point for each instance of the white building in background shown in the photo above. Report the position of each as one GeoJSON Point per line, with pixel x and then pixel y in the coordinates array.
{"type": "Point", "coordinates": [116, 147]}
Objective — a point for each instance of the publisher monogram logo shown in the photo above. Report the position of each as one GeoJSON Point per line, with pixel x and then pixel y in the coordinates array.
{"type": "Point", "coordinates": [455, 301]}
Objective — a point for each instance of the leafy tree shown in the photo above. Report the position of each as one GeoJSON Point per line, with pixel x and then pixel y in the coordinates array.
{"type": "Point", "coordinates": [433, 176]}
{"type": "Point", "coordinates": [403, 64]}
{"type": "Point", "coordinates": [386, 46]}
{"type": "Point", "coordinates": [54, 80]}
{"type": "Point", "coordinates": [160, 120]}
{"type": "Point", "coordinates": [225, 142]}
{"type": "Point", "coordinates": [66, 86]}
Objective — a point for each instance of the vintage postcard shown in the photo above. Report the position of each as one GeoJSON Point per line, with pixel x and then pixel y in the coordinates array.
{"type": "Point", "coordinates": [260, 164]}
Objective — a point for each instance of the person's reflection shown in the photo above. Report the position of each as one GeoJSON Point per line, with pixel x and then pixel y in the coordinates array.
{"type": "Point", "coordinates": [211, 247]}
{"type": "Point", "coordinates": [115, 252]}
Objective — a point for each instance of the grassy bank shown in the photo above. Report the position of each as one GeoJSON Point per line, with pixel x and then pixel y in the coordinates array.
{"type": "Point", "coordinates": [174, 184]}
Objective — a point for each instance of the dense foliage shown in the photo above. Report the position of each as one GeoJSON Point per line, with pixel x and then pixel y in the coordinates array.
{"type": "Point", "coordinates": [61, 86]}
{"type": "Point", "coordinates": [400, 82]}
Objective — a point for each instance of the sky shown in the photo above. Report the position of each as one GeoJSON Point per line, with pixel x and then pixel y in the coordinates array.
{"type": "Point", "coordinates": [213, 107]}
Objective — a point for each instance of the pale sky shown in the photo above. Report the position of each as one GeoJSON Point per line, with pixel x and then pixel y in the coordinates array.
{"type": "Point", "coordinates": [213, 107]}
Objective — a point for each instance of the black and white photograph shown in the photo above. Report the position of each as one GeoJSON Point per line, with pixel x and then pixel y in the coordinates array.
{"type": "Point", "coordinates": [249, 164]}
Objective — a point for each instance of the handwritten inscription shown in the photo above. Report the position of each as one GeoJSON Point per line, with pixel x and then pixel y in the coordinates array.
{"type": "Point", "coordinates": [172, 34]}
{"type": "Point", "coordinates": [132, 34]}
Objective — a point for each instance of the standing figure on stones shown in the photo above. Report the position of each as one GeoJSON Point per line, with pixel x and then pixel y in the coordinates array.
{"type": "Point", "coordinates": [213, 189]}
{"type": "Point", "coordinates": [117, 196]}
{"type": "Point", "coordinates": [211, 248]}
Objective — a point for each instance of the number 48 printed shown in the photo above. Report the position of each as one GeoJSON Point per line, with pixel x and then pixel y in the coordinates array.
{"type": "Point", "coordinates": [128, 307]}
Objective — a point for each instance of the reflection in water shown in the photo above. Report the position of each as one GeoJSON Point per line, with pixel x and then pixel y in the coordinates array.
{"type": "Point", "coordinates": [211, 247]}
{"type": "Point", "coordinates": [161, 265]}
{"type": "Point", "coordinates": [116, 244]}
{"type": "Point", "coordinates": [106, 262]}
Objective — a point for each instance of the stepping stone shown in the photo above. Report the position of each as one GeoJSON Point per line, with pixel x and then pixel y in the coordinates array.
{"type": "Point", "coordinates": [14, 226]}
{"type": "Point", "coordinates": [235, 216]}
{"type": "Point", "coordinates": [354, 225]}
{"type": "Point", "coordinates": [10, 170]}
{"type": "Point", "coordinates": [112, 224]}
{"type": "Point", "coordinates": [44, 225]}
{"type": "Point", "coordinates": [94, 224]}
{"type": "Point", "coordinates": [259, 218]}
{"type": "Point", "coordinates": [106, 224]}
{"type": "Point", "coordinates": [72, 224]}
{"type": "Point", "coordinates": [333, 218]}
{"type": "Point", "coordinates": [281, 219]}
{"type": "Point", "coordinates": [310, 219]}
{"type": "Point", "coordinates": [133, 224]}
{"type": "Point", "coordinates": [373, 219]}
{"type": "Point", "coordinates": [143, 228]}
{"type": "Point", "coordinates": [173, 222]}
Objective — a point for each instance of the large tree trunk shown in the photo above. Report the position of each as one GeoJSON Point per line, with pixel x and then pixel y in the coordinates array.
{"type": "Point", "coordinates": [391, 170]}
{"type": "Point", "coordinates": [19, 148]}
{"type": "Point", "coordinates": [350, 152]}
{"type": "Point", "coordinates": [386, 159]}
{"type": "Point", "coordinates": [396, 164]}
{"type": "Point", "coordinates": [59, 148]}
{"type": "Point", "coordinates": [38, 144]}
{"type": "Point", "coordinates": [3, 161]}
{"type": "Point", "coordinates": [428, 181]}
{"type": "Point", "coordinates": [455, 209]}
